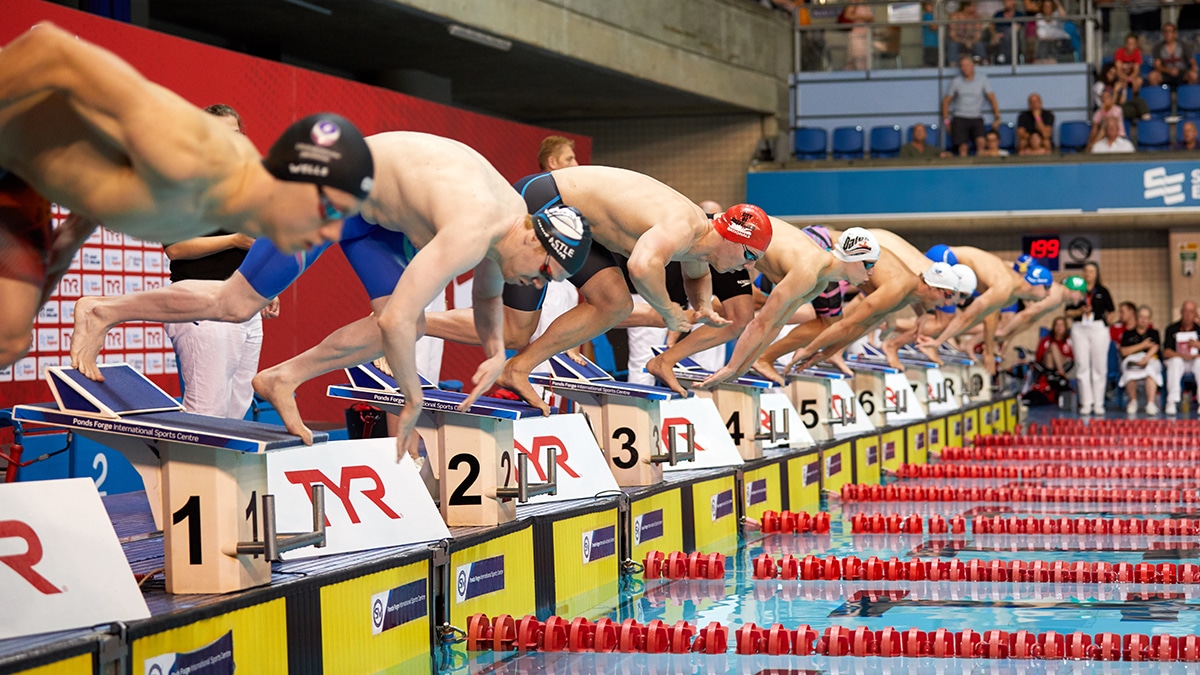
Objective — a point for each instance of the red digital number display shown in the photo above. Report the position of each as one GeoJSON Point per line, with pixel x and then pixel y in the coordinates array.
{"type": "Point", "coordinates": [1044, 248]}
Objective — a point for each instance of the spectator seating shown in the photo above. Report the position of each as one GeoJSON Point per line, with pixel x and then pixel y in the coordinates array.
{"type": "Point", "coordinates": [1073, 136]}
{"type": "Point", "coordinates": [1158, 99]}
{"type": "Point", "coordinates": [885, 141]}
{"type": "Point", "coordinates": [1187, 101]}
{"type": "Point", "coordinates": [811, 143]}
{"type": "Point", "coordinates": [931, 132]}
{"type": "Point", "coordinates": [1153, 135]}
{"type": "Point", "coordinates": [848, 143]}
{"type": "Point", "coordinates": [1008, 137]}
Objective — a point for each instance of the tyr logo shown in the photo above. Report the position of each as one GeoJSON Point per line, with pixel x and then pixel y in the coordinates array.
{"type": "Point", "coordinates": [537, 453]}
{"type": "Point", "coordinates": [22, 563]}
{"type": "Point", "coordinates": [308, 477]}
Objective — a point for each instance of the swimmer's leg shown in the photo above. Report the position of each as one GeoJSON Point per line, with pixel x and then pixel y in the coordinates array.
{"type": "Point", "coordinates": [17, 312]}
{"type": "Point", "coordinates": [232, 300]}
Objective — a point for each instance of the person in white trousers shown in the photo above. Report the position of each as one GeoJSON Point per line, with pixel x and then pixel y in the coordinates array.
{"type": "Point", "coordinates": [1092, 341]}
{"type": "Point", "coordinates": [1180, 350]}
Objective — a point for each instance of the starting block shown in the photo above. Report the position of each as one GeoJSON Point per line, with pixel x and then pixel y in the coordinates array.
{"type": "Point", "coordinates": [827, 404]}
{"type": "Point", "coordinates": [482, 475]}
{"type": "Point", "coordinates": [738, 402]}
{"type": "Point", "coordinates": [779, 425]}
{"type": "Point", "coordinates": [931, 387]}
{"type": "Point", "coordinates": [974, 381]}
{"type": "Point", "coordinates": [871, 391]}
{"type": "Point", "coordinates": [205, 477]}
{"type": "Point", "coordinates": [627, 419]}
{"type": "Point", "coordinates": [900, 401]}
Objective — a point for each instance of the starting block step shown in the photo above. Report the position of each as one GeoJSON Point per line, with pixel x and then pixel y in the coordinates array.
{"type": "Point", "coordinates": [201, 474]}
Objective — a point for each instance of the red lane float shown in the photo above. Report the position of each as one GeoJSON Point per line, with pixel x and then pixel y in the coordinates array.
{"type": "Point", "coordinates": [1041, 471]}
{"type": "Point", "coordinates": [1128, 453]}
{"type": "Point", "coordinates": [862, 492]}
{"type": "Point", "coordinates": [894, 523]}
{"type": "Point", "coordinates": [787, 522]}
{"type": "Point", "coordinates": [851, 568]}
{"type": "Point", "coordinates": [557, 634]}
{"type": "Point", "coordinates": [680, 565]}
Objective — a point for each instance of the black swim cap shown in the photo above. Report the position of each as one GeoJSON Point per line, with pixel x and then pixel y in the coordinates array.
{"type": "Point", "coordinates": [565, 234]}
{"type": "Point", "coordinates": [325, 149]}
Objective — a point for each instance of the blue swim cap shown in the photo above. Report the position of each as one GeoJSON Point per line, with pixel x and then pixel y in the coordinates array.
{"type": "Point", "coordinates": [1037, 275]}
{"type": "Point", "coordinates": [942, 253]}
{"type": "Point", "coordinates": [1021, 266]}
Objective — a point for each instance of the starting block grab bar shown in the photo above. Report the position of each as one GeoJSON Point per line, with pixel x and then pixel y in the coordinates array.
{"type": "Point", "coordinates": [673, 456]}
{"type": "Point", "coordinates": [273, 543]}
{"type": "Point", "coordinates": [776, 434]}
{"type": "Point", "coordinates": [849, 413]}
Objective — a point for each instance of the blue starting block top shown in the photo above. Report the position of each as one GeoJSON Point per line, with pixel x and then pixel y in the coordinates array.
{"type": "Point", "coordinates": [951, 355]}
{"type": "Point", "coordinates": [129, 404]}
{"type": "Point", "coordinates": [687, 369]}
{"type": "Point", "coordinates": [568, 375]}
{"type": "Point", "coordinates": [819, 373]}
{"type": "Point", "coordinates": [871, 366]}
{"type": "Point", "coordinates": [371, 385]}
{"type": "Point", "coordinates": [873, 356]}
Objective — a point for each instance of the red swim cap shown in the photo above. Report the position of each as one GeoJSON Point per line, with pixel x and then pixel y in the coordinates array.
{"type": "Point", "coordinates": [745, 224]}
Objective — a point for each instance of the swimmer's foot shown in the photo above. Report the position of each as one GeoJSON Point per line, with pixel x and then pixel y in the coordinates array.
{"type": "Point", "coordinates": [88, 338]}
{"type": "Point", "coordinates": [658, 367]}
{"type": "Point", "coordinates": [271, 385]}
{"type": "Point", "coordinates": [767, 369]}
{"type": "Point", "coordinates": [517, 381]}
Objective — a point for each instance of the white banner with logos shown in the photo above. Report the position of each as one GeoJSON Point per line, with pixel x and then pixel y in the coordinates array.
{"type": "Point", "coordinates": [582, 470]}
{"type": "Point", "coordinates": [371, 500]}
{"type": "Point", "coordinates": [714, 447]}
{"type": "Point", "coordinates": [61, 565]}
{"type": "Point", "coordinates": [797, 436]}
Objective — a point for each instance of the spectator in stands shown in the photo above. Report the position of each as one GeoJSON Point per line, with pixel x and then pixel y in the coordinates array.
{"type": "Point", "coordinates": [1089, 335]}
{"type": "Point", "coordinates": [1108, 110]}
{"type": "Point", "coordinates": [1004, 32]}
{"type": "Point", "coordinates": [1126, 317]}
{"type": "Point", "coordinates": [857, 57]}
{"type": "Point", "coordinates": [1133, 107]}
{"type": "Point", "coordinates": [1111, 142]}
{"type": "Point", "coordinates": [967, 92]}
{"type": "Point", "coordinates": [1055, 365]}
{"type": "Point", "coordinates": [918, 148]}
{"type": "Point", "coordinates": [929, 36]}
{"type": "Point", "coordinates": [1035, 145]}
{"type": "Point", "coordinates": [1187, 139]}
{"type": "Point", "coordinates": [1053, 40]}
{"type": "Point", "coordinates": [966, 33]}
{"type": "Point", "coordinates": [1139, 361]}
{"type": "Point", "coordinates": [1173, 64]}
{"type": "Point", "coordinates": [557, 152]}
{"type": "Point", "coordinates": [1180, 347]}
{"type": "Point", "coordinates": [1128, 62]}
{"type": "Point", "coordinates": [991, 145]}
{"type": "Point", "coordinates": [1036, 118]}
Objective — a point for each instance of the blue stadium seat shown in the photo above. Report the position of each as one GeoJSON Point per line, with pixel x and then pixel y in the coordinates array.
{"type": "Point", "coordinates": [1147, 64]}
{"type": "Point", "coordinates": [1158, 99]}
{"type": "Point", "coordinates": [885, 141]}
{"type": "Point", "coordinates": [848, 143]}
{"type": "Point", "coordinates": [811, 143]}
{"type": "Point", "coordinates": [1187, 100]}
{"type": "Point", "coordinates": [1153, 135]}
{"type": "Point", "coordinates": [1008, 137]}
{"type": "Point", "coordinates": [1073, 136]}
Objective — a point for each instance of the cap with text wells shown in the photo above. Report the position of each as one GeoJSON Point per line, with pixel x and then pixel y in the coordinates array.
{"type": "Point", "coordinates": [942, 253]}
{"type": "Point", "coordinates": [967, 281]}
{"type": "Point", "coordinates": [856, 245]}
{"type": "Point", "coordinates": [940, 275]}
{"type": "Point", "coordinates": [325, 149]}
{"type": "Point", "coordinates": [745, 224]}
{"type": "Point", "coordinates": [1038, 275]}
{"type": "Point", "coordinates": [1075, 283]}
{"type": "Point", "coordinates": [565, 234]}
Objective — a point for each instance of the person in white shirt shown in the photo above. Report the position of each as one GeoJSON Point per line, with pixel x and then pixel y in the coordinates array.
{"type": "Point", "coordinates": [1111, 142]}
{"type": "Point", "coordinates": [1180, 350]}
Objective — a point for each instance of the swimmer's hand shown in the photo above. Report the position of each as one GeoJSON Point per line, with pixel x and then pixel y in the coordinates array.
{"type": "Point", "coordinates": [801, 359]}
{"type": "Point", "coordinates": [271, 311]}
{"type": "Point", "coordinates": [242, 241]}
{"type": "Point", "coordinates": [485, 376]}
{"type": "Point", "coordinates": [708, 317]}
{"type": "Point", "coordinates": [407, 439]}
{"type": "Point", "coordinates": [722, 374]}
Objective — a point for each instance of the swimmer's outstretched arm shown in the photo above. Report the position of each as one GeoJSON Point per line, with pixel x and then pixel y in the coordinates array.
{"type": "Point", "coordinates": [1033, 313]}
{"type": "Point", "coordinates": [156, 127]}
{"type": "Point", "coordinates": [990, 301]}
{"type": "Point", "coordinates": [647, 265]}
{"type": "Point", "coordinates": [402, 320]}
{"type": "Point", "coordinates": [739, 312]}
